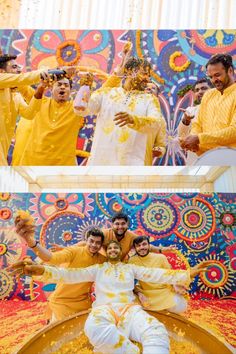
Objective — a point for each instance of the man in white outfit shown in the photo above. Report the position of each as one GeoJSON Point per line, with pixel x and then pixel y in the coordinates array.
{"type": "Point", "coordinates": [125, 117]}
{"type": "Point", "coordinates": [116, 319]}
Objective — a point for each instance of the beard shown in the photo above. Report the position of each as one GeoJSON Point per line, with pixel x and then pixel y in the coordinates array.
{"type": "Point", "coordinates": [144, 255]}
{"type": "Point", "coordinates": [119, 235]}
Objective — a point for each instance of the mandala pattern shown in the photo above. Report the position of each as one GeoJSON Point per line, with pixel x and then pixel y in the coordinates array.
{"type": "Point", "coordinates": [197, 220]}
{"type": "Point", "coordinates": [45, 205]}
{"type": "Point", "coordinates": [178, 59]}
{"type": "Point", "coordinates": [198, 246]}
{"type": "Point", "coordinates": [10, 247]}
{"type": "Point", "coordinates": [201, 226]}
{"type": "Point", "coordinates": [226, 217]}
{"type": "Point", "coordinates": [218, 279]}
{"type": "Point", "coordinates": [8, 285]}
{"type": "Point", "coordinates": [159, 218]}
{"type": "Point", "coordinates": [108, 203]}
{"type": "Point", "coordinates": [63, 228]}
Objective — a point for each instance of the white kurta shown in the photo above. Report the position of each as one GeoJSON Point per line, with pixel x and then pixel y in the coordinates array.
{"type": "Point", "coordinates": [115, 282]}
{"type": "Point", "coordinates": [113, 145]}
{"type": "Point", "coordinates": [115, 319]}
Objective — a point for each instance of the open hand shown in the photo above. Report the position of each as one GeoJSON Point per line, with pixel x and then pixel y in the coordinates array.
{"type": "Point", "coordinates": [55, 247]}
{"type": "Point", "coordinates": [122, 118]}
{"type": "Point", "coordinates": [25, 267]}
{"type": "Point", "coordinates": [87, 80]}
{"type": "Point", "coordinates": [201, 267]}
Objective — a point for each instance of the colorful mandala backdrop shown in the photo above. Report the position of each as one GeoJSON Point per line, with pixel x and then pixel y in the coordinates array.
{"type": "Point", "coordinates": [202, 226]}
{"type": "Point", "coordinates": [178, 59]}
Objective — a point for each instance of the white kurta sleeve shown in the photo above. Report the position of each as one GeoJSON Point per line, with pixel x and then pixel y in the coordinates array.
{"type": "Point", "coordinates": [69, 275]}
{"type": "Point", "coordinates": [150, 122]}
{"type": "Point", "coordinates": [161, 276]}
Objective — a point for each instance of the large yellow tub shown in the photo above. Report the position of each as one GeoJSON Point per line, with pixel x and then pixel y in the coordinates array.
{"type": "Point", "coordinates": [60, 337]}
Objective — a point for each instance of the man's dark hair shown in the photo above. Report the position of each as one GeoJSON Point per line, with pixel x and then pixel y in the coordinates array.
{"type": "Point", "coordinates": [120, 215]}
{"type": "Point", "coordinates": [95, 231]}
{"type": "Point", "coordinates": [134, 62]}
{"type": "Point", "coordinates": [4, 59]}
{"type": "Point", "coordinates": [225, 59]}
{"type": "Point", "coordinates": [201, 81]}
{"type": "Point", "coordinates": [140, 239]}
{"type": "Point", "coordinates": [116, 242]}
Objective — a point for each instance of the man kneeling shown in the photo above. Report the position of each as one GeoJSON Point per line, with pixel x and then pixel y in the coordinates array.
{"type": "Point", "coordinates": [153, 296]}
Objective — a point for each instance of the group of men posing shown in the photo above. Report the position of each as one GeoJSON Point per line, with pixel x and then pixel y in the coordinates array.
{"type": "Point", "coordinates": [130, 129]}
{"type": "Point", "coordinates": [117, 317]}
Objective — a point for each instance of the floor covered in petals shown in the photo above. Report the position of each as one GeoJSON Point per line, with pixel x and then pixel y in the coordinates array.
{"type": "Point", "coordinates": [21, 319]}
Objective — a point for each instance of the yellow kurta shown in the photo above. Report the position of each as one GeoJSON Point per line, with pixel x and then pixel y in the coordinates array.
{"type": "Point", "coordinates": [69, 299]}
{"type": "Point", "coordinates": [126, 242]}
{"type": "Point", "coordinates": [216, 121]}
{"type": "Point", "coordinates": [24, 126]}
{"type": "Point", "coordinates": [53, 135]}
{"type": "Point", "coordinates": [159, 297]}
{"type": "Point", "coordinates": [8, 112]}
{"type": "Point", "coordinates": [157, 137]}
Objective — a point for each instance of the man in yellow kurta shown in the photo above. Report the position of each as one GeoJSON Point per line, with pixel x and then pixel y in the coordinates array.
{"type": "Point", "coordinates": [55, 128]}
{"type": "Point", "coordinates": [119, 232]}
{"type": "Point", "coordinates": [156, 297]}
{"type": "Point", "coordinates": [24, 126]}
{"type": "Point", "coordinates": [215, 125]}
{"type": "Point", "coordinates": [66, 300]}
{"type": "Point", "coordinates": [8, 111]}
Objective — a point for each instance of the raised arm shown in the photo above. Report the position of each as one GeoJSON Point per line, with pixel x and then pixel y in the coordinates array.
{"type": "Point", "coordinates": [54, 274]}
{"type": "Point", "coordinates": [25, 228]}
{"type": "Point", "coordinates": [71, 275]}
{"type": "Point", "coordinates": [169, 276]}
{"type": "Point", "coordinates": [8, 80]}
{"type": "Point", "coordinates": [161, 276]}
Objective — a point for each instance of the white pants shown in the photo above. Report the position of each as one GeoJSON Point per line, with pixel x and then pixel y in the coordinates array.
{"type": "Point", "coordinates": [111, 336]}
{"type": "Point", "coordinates": [180, 304]}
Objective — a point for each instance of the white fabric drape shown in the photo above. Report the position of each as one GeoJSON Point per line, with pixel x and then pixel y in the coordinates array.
{"type": "Point", "coordinates": [127, 14]}
{"type": "Point", "coordinates": [226, 183]}
{"type": "Point", "coordinates": [11, 181]}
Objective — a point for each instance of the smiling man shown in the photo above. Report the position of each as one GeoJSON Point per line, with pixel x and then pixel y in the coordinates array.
{"type": "Point", "coordinates": [156, 297]}
{"type": "Point", "coordinates": [120, 232]}
{"type": "Point", "coordinates": [55, 127]}
{"type": "Point", "coordinates": [66, 300]}
{"type": "Point", "coordinates": [116, 319]}
{"type": "Point", "coordinates": [215, 125]}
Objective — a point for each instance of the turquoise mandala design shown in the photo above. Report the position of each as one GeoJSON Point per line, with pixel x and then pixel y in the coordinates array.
{"type": "Point", "coordinates": [159, 218]}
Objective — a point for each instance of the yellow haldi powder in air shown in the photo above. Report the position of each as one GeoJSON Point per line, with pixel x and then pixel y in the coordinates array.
{"type": "Point", "coordinates": [23, 214]}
